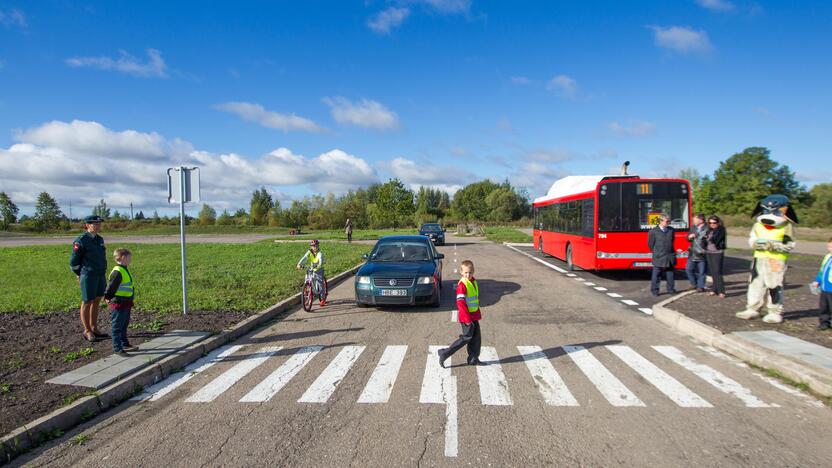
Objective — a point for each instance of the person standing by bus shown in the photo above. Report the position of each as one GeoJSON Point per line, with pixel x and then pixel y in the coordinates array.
{"type": "Point", "coordinates": [715, 253]}
{"type": "Point", "coordinates": [695, 268]}
{"type": "Point", "coordinates": [660, 242]}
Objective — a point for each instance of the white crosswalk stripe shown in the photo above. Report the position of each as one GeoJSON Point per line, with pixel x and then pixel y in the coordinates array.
{"type": "Point", "coordinates": [610, 387]}
{"type": "Point", "coordinates": [225, 380]}
{"type": "Point", "coordinates": [434, 377]}
{"type": "Point", "coordinates": [671, 387]}
{"type": "Point", "coordinates": [174, 381]}
{"type": "Point", "coordinates": [325, 384]}
{"type": "Point", "coordinates": [380, 385]}
{"type": "Point", "coordinates": [493, 384]}
{"type": "Point", "coordinates": [265, 390]}
{"type": "Point", "coordinates": [546, 378]}
{"type": "Point", "coordinates": [712, 376]}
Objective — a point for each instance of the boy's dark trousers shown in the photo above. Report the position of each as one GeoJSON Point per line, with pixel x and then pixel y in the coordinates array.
{"type": "Point", "coordinates": [471, 337]}
{"type": "Point", "coordinates": [825, 307]}
{"type": "Point", "coordinates": [119, 318]}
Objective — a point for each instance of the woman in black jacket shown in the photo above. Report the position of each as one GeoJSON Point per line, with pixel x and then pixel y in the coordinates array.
{"type": "Point", "coordinates": [715, 253]}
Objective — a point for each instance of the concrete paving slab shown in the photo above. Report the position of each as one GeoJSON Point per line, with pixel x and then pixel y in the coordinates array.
{"type": "Point", "coordinates": [111, 368]}
{"type": "Point", "coordinates": [790, 346]}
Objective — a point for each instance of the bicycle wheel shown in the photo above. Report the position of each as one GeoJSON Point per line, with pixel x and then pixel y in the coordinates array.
{"type": "Point", "coordinates": [306, 297]}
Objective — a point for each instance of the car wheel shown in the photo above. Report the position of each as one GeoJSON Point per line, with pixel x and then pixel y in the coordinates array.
{"type": "Point", "coordinates": [570, 266]}
{"type": "Point", "coordinates": [361, 305]}
{"type": "Point", "coordinates": [437, 300]}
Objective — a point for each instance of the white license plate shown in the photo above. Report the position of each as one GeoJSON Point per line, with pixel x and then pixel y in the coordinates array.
{"type": "Point", "coordinates": [394, 292]}
{"type": "Point", "coordinates": [643, 264]}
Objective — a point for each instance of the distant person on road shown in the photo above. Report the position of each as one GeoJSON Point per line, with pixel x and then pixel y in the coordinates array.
{"type": "Point", "coordinates": [823, 281]}
{"type": "Point", "coordinates": [468, 307]}
{"type": "Point", "coordinates": [660, 242]}
{"type": "Point", "coordinates": [315, 260]}
{"type": "Point", "coordinates": [119, 296]}
{"type": "Point", "coordinates": [348, 230]}
{"type": "Point", "coordinates": [695, 267]}
{"type": "Point", "coordinates": [89, 263]}
{"type": "Point", "coordinates": [715, 254]}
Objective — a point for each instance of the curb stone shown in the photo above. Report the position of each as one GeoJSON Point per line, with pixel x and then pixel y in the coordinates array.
{"type": "Point", "coordinates": [36, 432]}
{"type": "Point", "coordinates": [818, 379]}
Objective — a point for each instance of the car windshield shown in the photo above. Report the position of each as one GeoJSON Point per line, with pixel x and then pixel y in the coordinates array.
{"type": "Point", "coordinates": [431, 228]}
{"type": "Point", "coordinates": [400, 252]}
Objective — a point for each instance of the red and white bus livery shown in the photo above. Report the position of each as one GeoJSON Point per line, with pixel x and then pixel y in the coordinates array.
{"type": "Point", "coordinates": [601, 222]}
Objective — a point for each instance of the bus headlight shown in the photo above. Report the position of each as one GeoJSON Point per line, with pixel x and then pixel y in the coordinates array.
{"type": "Point", "coordinates": [426, 280]}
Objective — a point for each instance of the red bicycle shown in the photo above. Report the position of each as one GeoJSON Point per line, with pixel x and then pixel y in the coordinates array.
{"type": "Point", "coordinates": [312, 288]}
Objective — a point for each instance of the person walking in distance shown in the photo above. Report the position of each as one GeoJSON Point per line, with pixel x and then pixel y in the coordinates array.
{"type": "Point", "coordinates": [660, 242]}
{"type": "Point", "coordinates": [89, 263]}
{"type": "Point", "coordinates": [348, 230]}
{"type": "Point", "coordinates": [715, 254]}
{"type": "Point", "coordinates": [695, 267]}
{"type": "Point", "coordinates": [468, 307]}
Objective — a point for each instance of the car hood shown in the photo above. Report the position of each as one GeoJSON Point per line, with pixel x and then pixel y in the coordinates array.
{"type": "Point", "coordinates": [397, 268]}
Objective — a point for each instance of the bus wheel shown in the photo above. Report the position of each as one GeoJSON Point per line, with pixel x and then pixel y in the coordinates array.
{"type": "Point", "coordinates": [569, 265]}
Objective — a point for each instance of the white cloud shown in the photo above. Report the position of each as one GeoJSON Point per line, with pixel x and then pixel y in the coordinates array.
{"type": "Point", "coordinates": [388, 19]}
{"type": "Point", "coordinates": [367, 113]}
{"type": "Point", "coordinates": [635, 128]}
{"type": "Point", "coordinates": [13, 17]}
{"type": "Point", "coordinates": [256, 113]}
{"type": "Point", "coordinates": [415, 174]}
{"type": "Point", "coordinates": [85, 161]}
{"type": "Point", "coordinates": [520, 80]}
{"type": "Point", "coordinates": [536, 177]}
{"type": "Point", "coordinates": [505, 124]}
{"type": "Point", "coordinates": [716, 5]}
{"type": "Point", "coordinates": [682, 39]}
{"type": "Point", "coordinates": [563, 86]}
{"type": "Point", "coordinates": [155, 66]}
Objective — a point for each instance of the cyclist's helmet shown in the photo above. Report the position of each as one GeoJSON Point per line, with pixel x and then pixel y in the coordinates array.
{"type": "Point", "coordinates": [313, 243]}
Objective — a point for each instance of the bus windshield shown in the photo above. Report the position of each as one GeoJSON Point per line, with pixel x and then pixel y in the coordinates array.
{"type": "Point", "coordinates": [636, 206]}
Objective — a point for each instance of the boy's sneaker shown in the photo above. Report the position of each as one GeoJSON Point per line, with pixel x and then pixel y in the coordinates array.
{"type": "Point", "coordinates": [129, 347]}
{"type": "Point", "coordinates": [122, 353]}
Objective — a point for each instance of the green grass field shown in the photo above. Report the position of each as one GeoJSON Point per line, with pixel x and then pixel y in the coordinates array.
{"type": "Point", "coordinates": [506, 234]}
{"type": "Point", "coordinates": [358, 234]}
{"type": "Point", "coordinates": [221, 277]}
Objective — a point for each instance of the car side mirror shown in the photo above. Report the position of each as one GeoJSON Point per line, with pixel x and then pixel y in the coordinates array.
{"type": "Point", "coordinates": [440, 256]}
{"type": "Point", "coordinates": [365, 256]}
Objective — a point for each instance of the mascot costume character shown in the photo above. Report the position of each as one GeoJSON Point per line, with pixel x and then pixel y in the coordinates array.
{"type": "Point", "coordinates": [772, 238]}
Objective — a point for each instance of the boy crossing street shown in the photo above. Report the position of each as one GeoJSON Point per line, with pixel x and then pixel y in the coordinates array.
{"type": "Point", "coordinates": [468, 307]}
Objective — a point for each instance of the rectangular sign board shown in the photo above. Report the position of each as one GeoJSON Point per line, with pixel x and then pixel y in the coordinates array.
{"type": "Point", "coordinates": [191, 184]}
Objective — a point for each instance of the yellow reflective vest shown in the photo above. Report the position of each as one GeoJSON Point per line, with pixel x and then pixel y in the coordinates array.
{"type": "Point", "coordinates": [775, 235]}
{"type": "Point", "coordinates": [472, 297]}
{"type": "Point", "coordinates": [125, 288]}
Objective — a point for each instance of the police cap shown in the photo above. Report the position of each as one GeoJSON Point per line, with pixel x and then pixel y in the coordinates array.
{"type": "Point", "coordinates": [92, 219]}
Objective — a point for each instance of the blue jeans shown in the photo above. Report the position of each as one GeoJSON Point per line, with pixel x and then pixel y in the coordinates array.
{"type": "Point", "coordinates": [119, 318]}
{"type": "Point", "coordinates": [668, 277]}
{"type": "Point", "coordinates": [696, 273]}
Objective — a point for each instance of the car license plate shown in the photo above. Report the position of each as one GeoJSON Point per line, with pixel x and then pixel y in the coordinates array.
{"type": "Point", "coordinates": [394, 292]}
{"type": "Point", "coordinates": [642, 264]}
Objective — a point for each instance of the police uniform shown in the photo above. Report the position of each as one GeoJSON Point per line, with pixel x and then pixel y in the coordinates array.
{"type": "Point", "coordinates": [89, 262]}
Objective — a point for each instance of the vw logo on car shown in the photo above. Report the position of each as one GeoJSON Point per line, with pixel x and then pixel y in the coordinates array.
{"type": "Point", "coordinates": [393, 282]}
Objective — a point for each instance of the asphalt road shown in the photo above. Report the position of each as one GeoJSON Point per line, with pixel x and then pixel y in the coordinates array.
{"type": "Point", "coordinates": [343, 386]}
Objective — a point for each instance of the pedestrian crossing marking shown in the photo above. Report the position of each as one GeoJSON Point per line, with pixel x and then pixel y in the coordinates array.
{"type": "Point", "coordinates": [493, 384]}
{"type": "Point", "coordinates": [719, 380]}
{"type": "Point", "coordinates": [600, 288]}
{"type": "Point", "coordinates": [176, 380]}
{"type": "Point", "coordinates": [434, 377]}
{"type": "Point", "coordinates": [666, 384]}
{"type": "Point", "coordinates": [325, 384]}
{"type": "Point", "coordinates": [228, 378]}
{"type": "Point", "coordinates": [629, 302]}
{"type": "Point", "coordinates": [610, 387]}
{"type": "Point", "coordinates": [546, 378]}
{"type": "Point", "coordinates": [381, 382]}
{"type": "Point", "coordinates": [265, 390]}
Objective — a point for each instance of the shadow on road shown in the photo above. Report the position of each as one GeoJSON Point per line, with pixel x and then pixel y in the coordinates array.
{"type": "Point", "coordinates": [299, 335]}
{"type": "Point", "coordinates": [550, 353]}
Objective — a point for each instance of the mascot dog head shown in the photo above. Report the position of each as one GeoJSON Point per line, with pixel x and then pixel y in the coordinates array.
{"type": "Point", "coordinates": [775, 210]}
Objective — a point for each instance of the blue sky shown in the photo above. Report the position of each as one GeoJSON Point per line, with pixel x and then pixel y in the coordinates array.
{"type": "Point", "coordinates": [98, 99]}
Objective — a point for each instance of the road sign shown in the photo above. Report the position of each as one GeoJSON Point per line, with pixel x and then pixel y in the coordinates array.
{"type": "Point", "coordinates": [183, 187]}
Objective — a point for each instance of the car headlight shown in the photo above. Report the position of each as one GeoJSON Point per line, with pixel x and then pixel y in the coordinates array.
{"type": "Point", "coordinates": [363, 280]}
{"type": "Point", "coordinates": [426, 280]}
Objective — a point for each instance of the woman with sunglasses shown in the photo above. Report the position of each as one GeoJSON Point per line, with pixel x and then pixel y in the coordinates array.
{"type": "Point", "coordinates": [715, 253]}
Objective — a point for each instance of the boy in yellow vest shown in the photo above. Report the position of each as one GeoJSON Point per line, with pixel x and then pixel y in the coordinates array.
{"type": "Point", "coordinates": [119, 296]}
{"type": "Point", "coordinates": [468, 306]}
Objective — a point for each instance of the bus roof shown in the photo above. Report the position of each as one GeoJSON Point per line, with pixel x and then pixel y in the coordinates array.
{"type": "Point", "coordinates": [571, 185]}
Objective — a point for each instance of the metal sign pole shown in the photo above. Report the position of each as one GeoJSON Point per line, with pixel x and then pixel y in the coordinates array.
{"type": "Point", "coordinates": [182, 236]}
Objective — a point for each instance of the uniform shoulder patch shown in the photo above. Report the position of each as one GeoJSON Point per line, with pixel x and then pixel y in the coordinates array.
{"type": "Point", "coordinates": [75, 246]}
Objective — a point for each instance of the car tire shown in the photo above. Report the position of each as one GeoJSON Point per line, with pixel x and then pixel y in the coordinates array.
{"type": "Point", "coordinates": [361, 305]}
{"type": "Point", "coordinates": [438, 300]}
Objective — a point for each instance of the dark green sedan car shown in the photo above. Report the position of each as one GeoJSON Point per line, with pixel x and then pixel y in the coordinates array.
{"type": "Point", "coordinates": [400, 270]}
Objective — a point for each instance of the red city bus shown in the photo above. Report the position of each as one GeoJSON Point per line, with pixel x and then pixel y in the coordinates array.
{"type": "Point", "coordinates": [601, 222]}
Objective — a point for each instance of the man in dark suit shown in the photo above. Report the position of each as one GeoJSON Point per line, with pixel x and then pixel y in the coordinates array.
{"type": "Point", "coordinates": [660, 241]}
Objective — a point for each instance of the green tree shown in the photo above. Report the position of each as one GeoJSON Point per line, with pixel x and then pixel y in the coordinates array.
{"type": "Point", "coordinates": [819, 213]}
{"type": "Point", "coordinates": [139, 216]}
{"type": "Point", "coordinates": [261, 203]}
{"type": "Point", "coordinates": [275, 214]}
{"type": "Point", "coordinates": [469, 202]}
{"type": "Point", "coordinates": [207, 215]}
{"type": "Point", "coordinates": [47, 212]}
{"type": "Point", "coordinates": [101, 210]}
{"type": "Point", "coordinates": [156, 218]}
{"type": "Point", "coordinates": [394, 204]}
{"type": "Point", "coordinates": [8, 211]}
{"type": "Point", "coordinates": [692, 175]}
{"type": "Point", "coordinates": [504, 204]}
{"type": "Point", "coordinates": [225, 219]}
{"type": "Point", "coordinates": [744, 179]}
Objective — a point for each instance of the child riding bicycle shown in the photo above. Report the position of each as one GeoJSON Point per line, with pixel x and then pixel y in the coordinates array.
{"type": "Point", "coordinates": [315, 258]}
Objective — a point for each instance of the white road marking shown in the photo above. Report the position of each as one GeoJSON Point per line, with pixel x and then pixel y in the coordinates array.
{"type": "Point", "coordinates": [719, 380]}
{"type": "Point", "coordinates": [225, 380]}
{"type": "Point", "coordinates": [326, 383]}
{"type": "Point", "coordinates": [610, 387]}
{"type": "Point", "coordinates": [493, 384]}
{"type": "Point", "coordinates": [613, 294]}
{"type": "Point", "coordinates": [174, 381]}
{"type": "Point", "coordinates": [629, 302]}
{"type": "Point", "coordinates": [546, 378]}
{"type": "Point", "coordinates": [434, 377]}
{"type": "Point", "coordinates": [666, 384]}
{"type": "Point", "coordinates": [808, 399]}
{"type": "Point", "coordinates": [451, 416]}
{"type": "Point", "coordinates": [646, 310]}
{"type": "Point", "coordinates": [600, 288]}
{"type": "Point", "coordinates": [380, 385]}
{"type": "Point", "coordinates": [554, 267]}
{"type": "Point", "coordinates": [589, 284]}
{"type": "Point", "coordinates": [265, 390]}
{"type": "Point", "coordinates": [578, 278]}
{"type": "Point", "coordinates": [454, 314]}
{"type": "Point", "coordinates": [571, 275]}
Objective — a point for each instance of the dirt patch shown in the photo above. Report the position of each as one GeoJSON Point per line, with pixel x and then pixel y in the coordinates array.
{"type": "Point", "coordinates": [39, 347]}
{"type": "Point", "coordinates": [801, 307]}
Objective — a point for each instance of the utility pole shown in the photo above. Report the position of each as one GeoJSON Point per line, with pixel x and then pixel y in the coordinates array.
{"type": "Point", "coordinates": [131, 211]}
